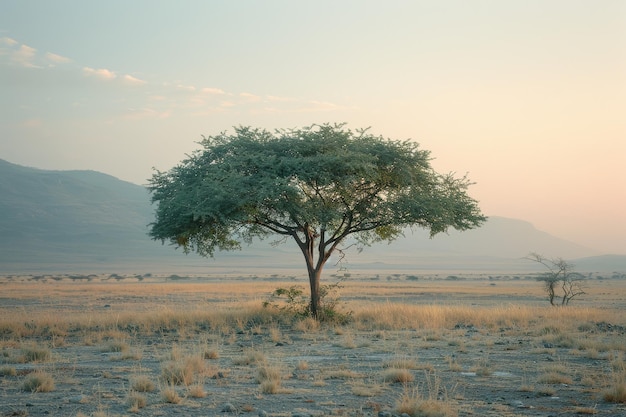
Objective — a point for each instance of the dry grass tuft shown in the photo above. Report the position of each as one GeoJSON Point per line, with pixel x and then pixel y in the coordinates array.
{"type": "Point", "coordinates": [250, 357]}
{"type": "Point", "coordinates": [555, 374]}
{"type": "Point", "coordinates": [116, 346]}
{"type": "Point", "coordinates": [136, 401]}
{"type": "Point", "coordinates": [413, 404]}
{"type": "Point", "coordinates": [8, 371]}
{"type": "Point", "coordinates": [211, 353]}
{"type": "Point", "coordinates": [142, 383]}
{"type": "Point", "coordinates": [616, 393]}
{"type": "Point", "coordinates": [307, 325]}
{"type": "Point", "coordinates": [428, 403]}
{"type": "Point", "coordinates": [196, 390]}
{"type": "Point", "coordinates": [170, 395]}
{"type": "Point", "coordinates": [38, 381]}
{"type": "Point", "coordinates": [269, 377]}
{"type": "Point", "coordinates": [183, 371]}
{"type": "Point", "coordinates": [397, 376]}
{"type": "Point", "coordinates": [35, 353]}
{"type": "Point", "coordinates": [554, 378]}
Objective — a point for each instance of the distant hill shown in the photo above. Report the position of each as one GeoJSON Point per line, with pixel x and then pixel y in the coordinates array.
{"type": "Point", "coordinates": [89, 221]}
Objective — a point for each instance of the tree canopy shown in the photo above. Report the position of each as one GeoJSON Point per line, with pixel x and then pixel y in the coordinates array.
{"type": "Point", "coordinates": [316, 185]}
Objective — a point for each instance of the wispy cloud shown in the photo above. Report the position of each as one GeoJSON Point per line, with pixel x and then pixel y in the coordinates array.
{"type": "Point", "coordinates": [57, 59]}
{"type": "Point", "coordinates": [8, 41]}
{"type": "Point", "coordinates": [186, 87]}
{"type": "Point", "coordinates": [130, 80]}
{"type": "Point", "coordinates": [146, 113]}
{"type": "Point", "coordinates": [250, 97]}
{"type": "Point", "coordinates": [173, 97]}
{"type": "Point", "coordinates": [24, 56]}
{"type": "Point", "coordinates": [103, 74]}
{"type": "Point", "coordinates": [212, 91]}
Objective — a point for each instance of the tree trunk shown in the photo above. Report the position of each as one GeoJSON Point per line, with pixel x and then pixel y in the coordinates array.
{"type": "Point", "coordinates": [314, 282]}
{"type": "Point", "coordinates": [314, 267]}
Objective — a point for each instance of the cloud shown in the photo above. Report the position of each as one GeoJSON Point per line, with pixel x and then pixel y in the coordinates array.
{"type": "Point", "coordinates": [57, 59]}
{"type": "Point", "coordinates": [24, 56]}
{"type": "Point", "coordinates": [214, 91]}
{"type": "Point", "coordinates": [103, 74]}
{"type": "Point", "coordinates": [186, 87]}
{"type": "Point", "coordinates": [8, 41]}
{"type": "Point", "coordinates": [146, 113]}
{"type": "Point", "coordinates": [250, 97]}
{"type": "Point", "coordinates": [129, 79]}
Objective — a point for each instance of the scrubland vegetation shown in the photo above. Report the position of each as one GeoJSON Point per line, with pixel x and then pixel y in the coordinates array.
{"type": "Point", "coordinates": [432, 345]}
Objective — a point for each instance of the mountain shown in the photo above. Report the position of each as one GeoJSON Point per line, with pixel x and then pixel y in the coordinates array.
{"type": "Point", "coordinates": [72, 219]}
{"type": "Point", "coordinates": [89, 221]}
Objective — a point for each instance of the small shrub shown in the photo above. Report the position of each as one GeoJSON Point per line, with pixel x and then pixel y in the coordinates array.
{"type": "Point", "coordinates": [294, 301]}
{"type": "Point", "coordinates": [211, 353]}
{"type": "Point", "coordinates": [38, 381]}
{"type": "Point", "coordinates": [483, 368]}
{"type": "Point", "coordinates": [554, 378]}
{"type": "Point", "coordinates": [182, 372]}
{"type": "Point", "coordinates": [36, 354]}
{"type": "Point", "coordinates": [270, 387]}
{"type": "Point", "coordinates": [416, 404]}
{"type": "Point", "coordinates": [249, 358]}
{"type": "Point", "coordinates": [400, 376]}
{"type": "Point", "coordinates": [196, 390]}
{"type": "Point", "coordinates": [170, 395]}
{"type": "Point", "coordinates": [616, 393]}
{"type": "Point", "coordinates": [413, 404]}
{"type": "Point", "coordinates": [136, 401]}
{"type": "Point", "coordinates": [142, 384]}
{"type": "Point", "coordinates": [8, 371]}
{"type": "Point", "coordinates": [270, 379]}
{"type": "Point", "coordinates": [116, 346]}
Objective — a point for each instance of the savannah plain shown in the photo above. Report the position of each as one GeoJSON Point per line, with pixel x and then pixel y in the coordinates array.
{"type": "Point", "coordinates": [417, 345]}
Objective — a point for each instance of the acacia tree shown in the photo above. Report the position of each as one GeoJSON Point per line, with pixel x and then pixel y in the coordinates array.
{"type": "Point", "coordinates": [316, 185]}
{"type": "Point", "coordinates": [560, 281]}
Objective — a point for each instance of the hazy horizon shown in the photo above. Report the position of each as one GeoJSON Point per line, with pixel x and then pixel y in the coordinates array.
{"type": "Point", "coordinates": [527, 98]}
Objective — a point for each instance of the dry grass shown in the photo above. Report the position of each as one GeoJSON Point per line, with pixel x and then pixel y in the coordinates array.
{"type": "Point", "coordinates": [183, 371]}
{"type": "Point", "coordinates": [8, 371]}
{"type": "Point", "coordinates": [34, 353]}
{"type": "Point", "coordinates": [136, 401]}
{"type": "Point", "coordinates": [170, 395]}
{"type": "Point", "coordinates": [397, 375]}
{"type": "Point", "coordinates": [250, 357]}
{"type": "Point", "coordinates": [399, 330]}
{"type": "Point", "coordinates": [616, 392]}
{"type": "Point", "coordinates": [38, 381]}
{"type": "Point", "coordinates": [196, 390]}
{"type": "Point", "coordinates": [142, 383]}
{"type": "Point", "coordinates": [416, 404]}
{"type": "Point", "coordinates": [141, 317]}
{"type": "Point", "coordinates": [269, 378]}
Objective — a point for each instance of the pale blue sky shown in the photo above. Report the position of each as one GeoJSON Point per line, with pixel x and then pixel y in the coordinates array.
{"type": "Point", "coordinates": [527, 97]}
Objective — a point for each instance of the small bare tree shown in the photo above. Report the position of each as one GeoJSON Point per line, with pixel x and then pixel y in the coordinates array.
{"type": "Point", "coordinates": [561, 282]}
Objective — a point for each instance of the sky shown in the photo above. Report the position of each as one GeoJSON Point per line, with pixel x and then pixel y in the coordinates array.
{"type": "Point", "coordinates": [528, 98]}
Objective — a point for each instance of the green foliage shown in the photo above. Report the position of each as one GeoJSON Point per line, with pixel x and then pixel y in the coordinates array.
{"type": "Point", "coordinates": [294, 301]}
{"type": "Point", "coordinates": [316, 185]}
